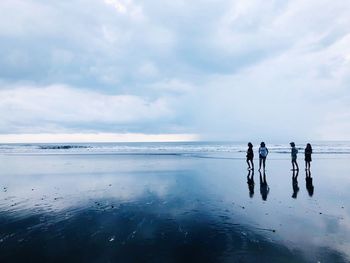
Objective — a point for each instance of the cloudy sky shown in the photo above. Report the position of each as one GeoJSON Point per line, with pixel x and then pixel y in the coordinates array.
{"type": "Point", "coordinates": [219, 70]}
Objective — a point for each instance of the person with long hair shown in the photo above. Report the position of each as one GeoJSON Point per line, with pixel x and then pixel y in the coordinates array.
{"type": "Point", "coordinates": [308, 152]}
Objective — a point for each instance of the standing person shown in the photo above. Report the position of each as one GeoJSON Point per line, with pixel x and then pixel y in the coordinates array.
{"type": "Point", "coordinates": [308, 152]}
{"type": "Point", "coordinates": [250, 155]}
{"type": "Point", "coordinates": [263, 152]}
{"type": "Point", "coordinates": [294, 152]}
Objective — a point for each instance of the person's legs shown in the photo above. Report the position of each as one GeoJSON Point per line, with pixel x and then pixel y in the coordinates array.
{"type": "Point", "coordinates": [252, 164]}
{"type": "Point", "coordinates": [305, 165]}
{"type": "Point", "coordinates": [264, 159]}
{"type": "Point", "coordinates": [296, 165]}
{"type": "Point", "coordinates": [248, 164]}
{"type": "Point", "coordinates": [260, 160]}
{"type": "Point", "coordinates": [293, 165]}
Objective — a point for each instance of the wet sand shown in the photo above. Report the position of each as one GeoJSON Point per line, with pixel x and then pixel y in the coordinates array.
{"type": "Point", "coordinates": [172, 208]}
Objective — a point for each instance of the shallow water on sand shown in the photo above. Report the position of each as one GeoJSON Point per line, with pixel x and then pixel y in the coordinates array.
{"type": "Point", "coordinates": [172, 208]}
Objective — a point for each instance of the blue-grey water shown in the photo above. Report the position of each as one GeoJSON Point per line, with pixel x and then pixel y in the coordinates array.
{"type": "Point", "coordinates": [172, 202]}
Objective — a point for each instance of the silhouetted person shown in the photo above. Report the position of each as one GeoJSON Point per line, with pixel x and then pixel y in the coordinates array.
{"type": "Point", "coordinates": [308, 152]}
{"type": "Point", "coordinates": [264, 188]}
{"type": "Point", "coordinates": [294, 152]}
{"type": "Point", "coordinates": [263, 152]}
{"type": "Point", "coordinates": [250, 155]}
{"type": "Point", "coordinates": [309, 185]}
{"type": "Point", "coordinates": [295, 184]}
{"type": "Point", "coordinates": [250, 182]}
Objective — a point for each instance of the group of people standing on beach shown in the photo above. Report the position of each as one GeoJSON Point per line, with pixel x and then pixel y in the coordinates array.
{"type": "Point", "coordinates": [263, 152]}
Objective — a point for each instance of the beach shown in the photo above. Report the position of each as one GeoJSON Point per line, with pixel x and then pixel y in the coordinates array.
{"type": "Point", "coordinates": [172, 203]}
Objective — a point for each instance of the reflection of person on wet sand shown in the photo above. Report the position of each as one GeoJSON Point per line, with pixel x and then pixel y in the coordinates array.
{"type": "Point", "coordinates": [250, 182]}
{"type": "Point", "coordinates": [295, 184]}
{"type": "Point", "coordinates": [264, 188]}
{"type": "Point", "coordinates": [309, 185]}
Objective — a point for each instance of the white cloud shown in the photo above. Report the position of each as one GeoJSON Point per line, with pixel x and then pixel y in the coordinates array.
{"type": "Point", "coordinates": [126, 7]}
{"type": "Point", "coordinates": [174, 86]}
{"type": "Point", "coordinates": [60, 105]}
{"type": "Point", "coordinates": [148, 69]}
{"type": "Point", "coordinates": [118, 5]}
{"type": "Point", "coordinates": [94, 137]}
{"type": "Point", "coordinates": [226, 69]}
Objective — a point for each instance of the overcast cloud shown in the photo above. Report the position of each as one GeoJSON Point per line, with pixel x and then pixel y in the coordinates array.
{"type": "Point", "coordinates": [222, 69]}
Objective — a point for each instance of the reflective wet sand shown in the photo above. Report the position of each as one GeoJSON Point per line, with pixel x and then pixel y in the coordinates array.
{"type": "Point", "coordinates": [172, 208]}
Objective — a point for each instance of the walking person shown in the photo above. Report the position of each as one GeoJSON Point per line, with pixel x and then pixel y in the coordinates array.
{"type": "Point", "coordinates": [263, 152]}
{"type": "Point", "coordinates": [250, 156]}
{"type": "Point", "coordinates": [294, 152]}
{"type": "Point", "coordinates": [308, 152]}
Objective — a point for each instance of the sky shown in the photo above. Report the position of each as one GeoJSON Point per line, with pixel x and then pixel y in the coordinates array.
{"type": "Point", "coordinates": [179, 70]}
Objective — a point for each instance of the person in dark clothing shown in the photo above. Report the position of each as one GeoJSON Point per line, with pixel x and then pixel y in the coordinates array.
{"type": "Point", "coordinates": [250, 182]}
{"type": "Point", "coordinates": [294, 152]}
{"type": "Point", "coordinates": [250, 156]}
{"type": "Point", "coordinates": [308, 152]}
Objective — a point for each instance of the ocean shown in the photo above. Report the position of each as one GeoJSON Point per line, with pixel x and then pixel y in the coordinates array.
{"type": "Point", "coordinates": [335, 147]}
